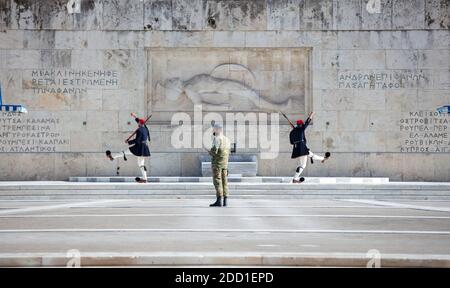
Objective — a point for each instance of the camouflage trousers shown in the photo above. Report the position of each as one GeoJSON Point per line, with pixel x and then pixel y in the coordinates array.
{"type": "Point", "coordinates": [220, 181]}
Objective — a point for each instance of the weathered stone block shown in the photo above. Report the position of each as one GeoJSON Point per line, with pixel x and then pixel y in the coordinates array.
{"type": "Point", "coordinates": [337, 99]}
{"type": "Point", "coordinates": [287, 38]}
{"type": "Point", "coordinates": [153, 39]}
{"type": "Point", "coordinates": [320, 39]}
{"type": "Point", "coordinates": [441, 79]}
{"type": "Point", "coordinates": [315, 141]}
{"type": "Point", "coordinates": [30, 14]}
{"type": "Point", "coordinates": [22, 59]}
{"type": "Point", "coordinates": [394, 141]}
{"type": "Point", "coordinates": [102, 121]}
{"type": "Point", "coordinates": [29, 167]}
{"type": "Point", "coordinates": [129, 64]}
{"type": "Point", "coordinates": [434, 59]}
{"type": "Point", "coordinates": [54, 101]}
{"type": "Point", "coordinates": [90, 16]}
{"type": "Point", "coordinates": [402, 59]}
{"type": "Point", "coordinates": [228, 39]}
{"type": "Point", "coordinates": [358, 165]}
{"type": "Point", "coordinates": [353, 120]}
{"type": "Point", "coordinates": [386, 39]}
{"type": "Point", "coordinates": [25, 14]}
{"type": "Point", "coordinates": [158, 164]}
{"type": "Point", "coordinates": [157, 15]}
{"type": "Point", "coordinates": [408, 14]}
{"type": "Point", "coordinates": [353, 40]}
{"type": "Point", "coordinates": [262, 39]}
{"type": "Point", "coordinates": [53, 15]}
{"type": "Point", "coordinates": [105, 39]}
{"type": "Point", "coordinates": [348, 15]}
{"type": "Point", "coordinates": [283, 14]}
{"type": "Point", "coordinates": [385, 165]}
{"type": "Point", "coordinates": [12, 83]}
{"type": "Point", "coordinates": [187, 15]}
{"type": "Point", "coordinates": [370, 100]}
{"type": "Point", "coordinates": [73, 120]}
{"type": "Point", "coordinates": [130, 40]}
{"type": "Point", "coordinates": [98, 164]}
{"type": "Point", "coordinates": [370, 59]}
{"type": "Point", "coordinates": [325, 79]}
{"type": "Point", "coordinates": [235, 15]}
{"type": "Point", "coordinates": [190, 166]}
{"type": "Point", "coordinates": [441, 168]}
{"type": "Point", "coordinates": [120, 99]}
{"type": "Point", "coordinates": [71, 40]}
{"type": "Point", "coordinates": [87, 59]}
{"type": "Point", "coordinates": [401, 100]}
{"type": "Point", "coordinates": [437, 14]}
{"type": "Point", "coordinates": [439, 39]}
{"type": "Point", "coordinates": [89, 100]}
{"type": "Point", "coordinates": [69, 164]}
{"type": "Point", "coordinates": [384, 121]}
{"type": "Point", "coordinates": [55, 59]}
{"type": "Point", "coordinates": [369, 141]}
{"type": "Point", "coordinates": [33, 39]}
{"type": "Point", "coordinates": [5, 14]}
{"type": "Point", "coordinates": [338, 141]}
{"type": "Point", "coordinates": [123, 15]}
{"type": "Point", "coordinates": [431, 99]}
{"type": "Point", "coordinates": [11, 39]}
{"type": "Point", "coordinates": [374, 17]}
{"type": "Point", "coordinates": [115, 141]}
{"type": "Point", "coordinates": [325, 120]}
{"type": "Point", "coordinates": [85, 141]}
{"type": "Point", "coordinates": [336, 59]}
{"type": "Point", "coordinates": [188, 39]}
{"type": "Point", "coordinates": [316, 14]}
{"type": "Point", "coordinates": [419, 168]}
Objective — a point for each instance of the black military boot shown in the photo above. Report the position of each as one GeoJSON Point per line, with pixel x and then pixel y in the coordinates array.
{"type": "Point", "coordinates": [225, 201]}
{"type": "Point", "coordinates": [218, 203]}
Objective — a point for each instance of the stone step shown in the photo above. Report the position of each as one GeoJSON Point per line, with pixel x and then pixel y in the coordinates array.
{"type": "Point", "coordinates": [80, 190]}
{"type": "Point", "coordinates": [88, 190]}
{"type": "Point", "coordinates": [192, 186]}
{"type": "Point", "coordinates": [232, 178]}
{"type": "Point", "coordinates": [168, 259]}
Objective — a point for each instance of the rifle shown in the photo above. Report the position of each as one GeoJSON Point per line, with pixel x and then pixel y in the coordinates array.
{"type": "Point", "coordinates": [292, 125]}
{"type": "Point", "coordinates": [134, 133]}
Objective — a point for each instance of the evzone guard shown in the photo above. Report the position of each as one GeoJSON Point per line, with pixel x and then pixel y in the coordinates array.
{"type": "Point", "coordinates": [300, 150]}
{"type": "Point", "coordinates": [139, 149]}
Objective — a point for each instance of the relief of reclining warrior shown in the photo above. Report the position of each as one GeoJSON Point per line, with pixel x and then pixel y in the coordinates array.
{"type": "Point", "coordinates": [215, 92]}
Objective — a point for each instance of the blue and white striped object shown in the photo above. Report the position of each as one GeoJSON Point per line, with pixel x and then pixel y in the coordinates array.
{"type": "Point", "coordinates": [444, 109]}
{"type": "Point", "coordinates": [11, 107]}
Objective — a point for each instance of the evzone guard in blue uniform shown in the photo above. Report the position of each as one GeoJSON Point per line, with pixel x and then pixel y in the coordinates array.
{"type": "Point", "coordinates": [139, 148]}
{"type": "Point", "coordinates": [300, 150]}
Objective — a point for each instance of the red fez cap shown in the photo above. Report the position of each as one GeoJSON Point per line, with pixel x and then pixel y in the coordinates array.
{"type": "Point", "coordinates": [141, 121]}
{"type": "Point", "coordinates": [299, 122]}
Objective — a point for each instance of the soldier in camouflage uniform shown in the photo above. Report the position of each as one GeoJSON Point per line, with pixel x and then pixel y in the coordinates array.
{"type": "Point", "coordinates": [219, 152]}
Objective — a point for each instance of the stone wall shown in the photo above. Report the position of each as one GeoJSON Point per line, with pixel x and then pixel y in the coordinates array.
{"type": "Point", "coordinates": [373, 69]}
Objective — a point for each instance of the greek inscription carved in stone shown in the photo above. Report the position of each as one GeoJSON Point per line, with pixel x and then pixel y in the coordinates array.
{"type": "Point", "coordinates": [425, 131]}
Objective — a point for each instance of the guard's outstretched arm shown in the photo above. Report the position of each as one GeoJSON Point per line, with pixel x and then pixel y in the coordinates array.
{"type": "Point", "coordinates": [308, 121]}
